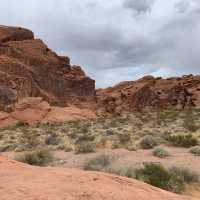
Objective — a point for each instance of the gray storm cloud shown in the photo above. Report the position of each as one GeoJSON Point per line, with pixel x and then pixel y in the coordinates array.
{"type": "Point", "coordinates": [141, 6]}
{"type": "Point", "coordinates": [118, 39]}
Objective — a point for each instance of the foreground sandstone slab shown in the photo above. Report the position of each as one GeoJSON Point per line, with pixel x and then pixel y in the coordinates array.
{"type": "Point", "coordinates": [23, 182]}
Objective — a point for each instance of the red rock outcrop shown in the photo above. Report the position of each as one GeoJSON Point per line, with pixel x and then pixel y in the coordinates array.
{"type": "Point", "coordinates": [28, 68]}
{"type": "Point", "coordinates": [23, 182]}
{"type": "Point", "coordinates": [35, 110]}
{"type": "Point", "coordinates": [150, 93]}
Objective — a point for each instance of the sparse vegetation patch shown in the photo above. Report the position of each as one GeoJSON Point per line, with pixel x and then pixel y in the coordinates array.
{"type": "Point", "coordinates": [183, 140]}
{"type": "Point", "coordinates": [161, 153]}
{"type": "Point", "coordinates": [195, 151]}
{"type": "Point", "coordinates": [38, 157]}
{"type": "Point", "coordinates": [148, 142]}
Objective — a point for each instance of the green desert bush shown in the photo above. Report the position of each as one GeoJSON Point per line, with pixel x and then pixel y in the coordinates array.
{"type": "Point", "coordinates": [39, 157]}
{"type": "Point", "coordinates": [98, 163]}
{"type": "Point", "coordinates": [85, 143]}
{"type": "Point", "coordinates": [84, 137]}
{"type": "Point", "coordinates": [189, 122]}
{"type": "Point", "coordinates": [182, 140]}
{"type": "Point", "coordinates": [148, 142]}
{"type": "Point", "coordinates": [121, 171]}
{"type": "Point", "coordinates": [161, 153]}
{"type": "Point", "coordinates": [124, 137]}
{"type": "Point", "coordinates": [29, 139]}
{"type": "Point", "coordinates": [132, 147]}
{"type": "Point", "coordinates": [4, 147]}
{"type": "Point", "coordinates": [195, 150]}
{"type": "Point", "coordinates": [185, 174]}
{"type": "Point", "coordinates": [84, 147]}
{"type": "Point", "coordinates": [20, 124]}
{"type": "Point", "coordinates": [159, 176]}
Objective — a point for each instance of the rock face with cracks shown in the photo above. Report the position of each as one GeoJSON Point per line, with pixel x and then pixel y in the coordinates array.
{"type": "Point", "coordinates": [151, 93]}
{"type": "Point", "coordinates": [28, 68]}
{"type": "Point", "coordinates": [23, 182]}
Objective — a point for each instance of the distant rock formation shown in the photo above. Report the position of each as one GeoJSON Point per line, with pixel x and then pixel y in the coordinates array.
{"type": "Point", "coordinates": [151, 93]}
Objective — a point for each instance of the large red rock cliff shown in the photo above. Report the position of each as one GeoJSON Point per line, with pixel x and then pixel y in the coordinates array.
{"type": "Point", "coordinates": [28, 68]}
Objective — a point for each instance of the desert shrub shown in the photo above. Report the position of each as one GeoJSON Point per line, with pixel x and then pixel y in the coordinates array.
{"type": "Point", "coordinates": [117, 170]}
{"type": "Point", "coordinates": [72, 134]}
{"type": "Point", "coordinates": [29, 139]}
{"type": "Point", "coordinates": [182, 140]}
{"type": "Point", "coordinates": [84, 147]}
{"type": "Point", "coordinates": [124, 137]}
{"type": "Point", "coordinates": [148, 142]}
{"type": "Point", "coordinates": [172, 115]}
{"type": "Point", "coordinates": [161, 153]}
{"type": "Point", "coordinates": [115, 144]}
{"type": "Point", "coordinates": [4, 147]}
{"type": "Point", "coordinates": [158, 176]}
{"type": "Point", "coordinates": [195, 150]}
{"type": "Point", "coordinates": [113, 123]}
{"type": "Point", "coordinates": [52, 139]}
{"type": "Point", "coordinates": [20, 124]}
{"type": "Point", "coordinates": [67, 147]}
{"type": "Point", "coordinates": [97, 163]}
{"type": "Point", "coordinates": [85, 143]}
{"type": "Point", "coordinates": [121, 171]}
{"type": "Point", "coordinates": [154, 174]}
{"type": "Point", "coordinates": [189, 122]}
{"type": "Point", "coordinates": [132, 148]}
{"type": "Point", "coordinates": [84, 128]}
{"type": "Point", "coordinates": [101, 140]}
{"type": "Point", "coordinates": [84, 137]}
{"type": "Point", "coordinates": [161, 117]}
{"type": "Point", "coordinates": [185, 174]}
{"type": "Point", "coordinates": [39, 157]}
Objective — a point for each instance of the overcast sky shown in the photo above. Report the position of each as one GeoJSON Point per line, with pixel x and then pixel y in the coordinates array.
{"type": "Point", "coordinates": [115, 40]}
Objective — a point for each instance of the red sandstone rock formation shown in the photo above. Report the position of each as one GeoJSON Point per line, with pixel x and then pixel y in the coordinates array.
{"type": "Point", "coordinates": [23, 182]}
{"type": "Point", "coordinates": [28, 68]}
{"type": "Point", "coordinates": [35, 110]}
{"type": "Point", "coordinates": [151, 93]}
